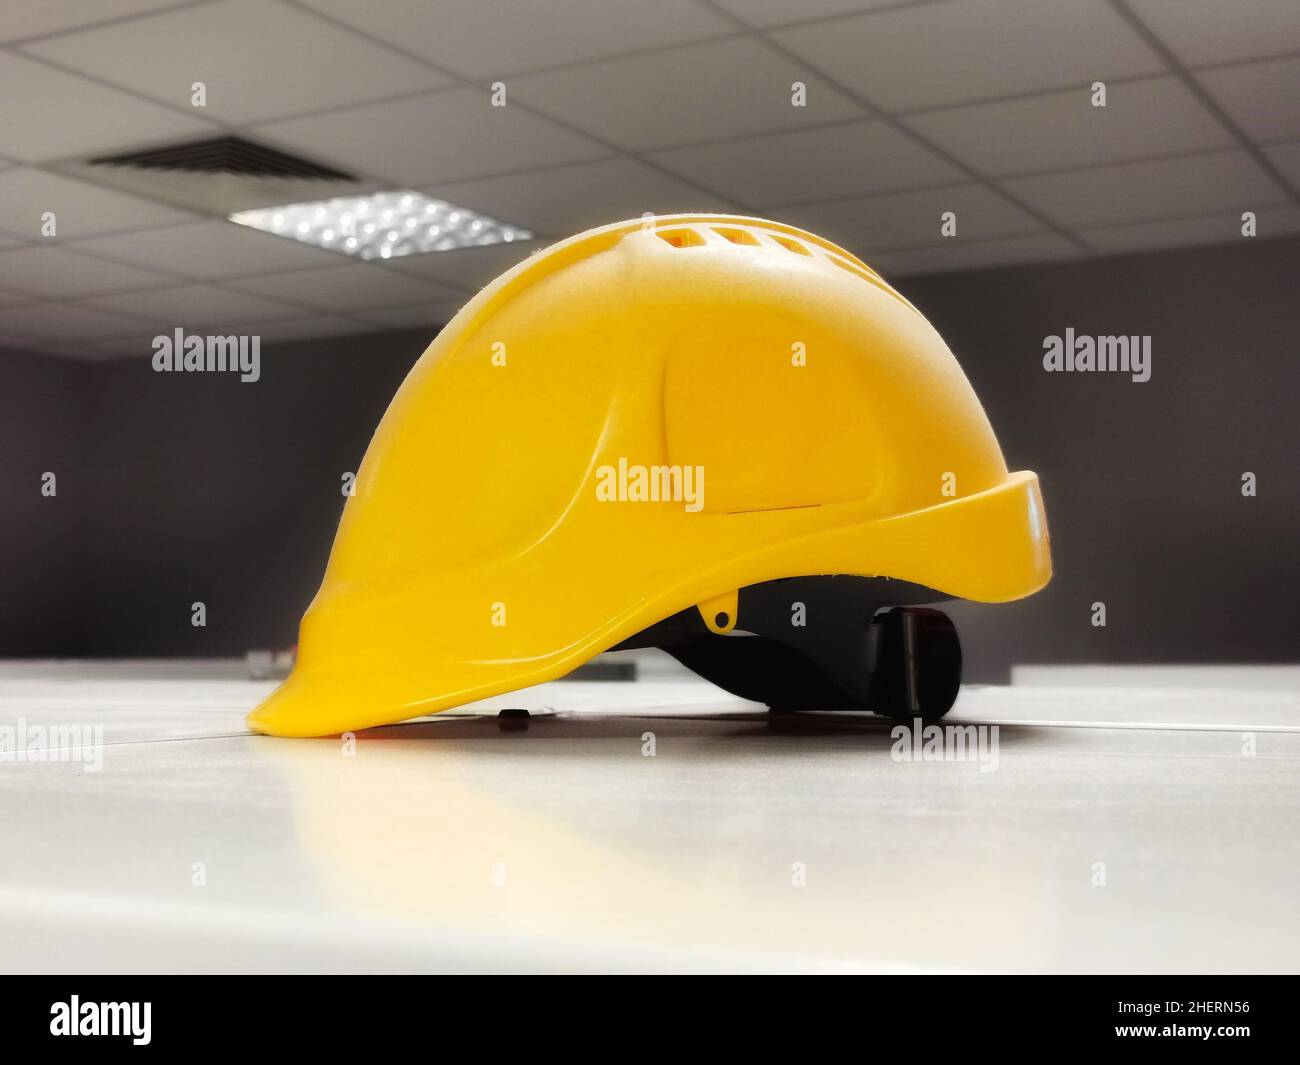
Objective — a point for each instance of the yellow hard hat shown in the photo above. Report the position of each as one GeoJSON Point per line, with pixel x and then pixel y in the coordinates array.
{"type": "Point", "coordinates": [718, 435]}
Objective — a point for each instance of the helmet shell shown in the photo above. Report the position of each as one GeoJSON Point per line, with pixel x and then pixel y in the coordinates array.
{"type": "Point", "coordinates": [644, 417]}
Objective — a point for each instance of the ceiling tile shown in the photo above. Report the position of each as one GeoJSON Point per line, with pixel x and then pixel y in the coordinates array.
{"type": "Point", "coordinates": [1201, 32]}
{"type": "Point", "coordinates": [134, 346]}
{"type": "Point", "coordinates": [491, 40]}
{"type": "Point", "coordinates": [193, 305]}
{"type": "Point", "coordinates": [22, 19]}
{"type": "Point", "coordinates": [934, 55]}
{"type": "Point", "coordinates": [1061, 130]}
{"type": "Point", "coordinates": [1222, 228]}
{"type": "Point", "coordinates": [140, 346]}
{"type": "Point", "coordinates": [911, 219]}
{"type": "Point", "coordinates": [817, 164]}
{"type": "Point", "coordinates": [208, 251]}
{"type": "Point", "coordinates": [80, 209]}
{"type": "Point", "coordinates": [63, 322]}
{"type": "Point", "coordinates": [566, 200]}
{"type": "Point", "coordinates": [54, 273]}
{"type": "Point", "coordinates": [258, 58]}
{"type": "Point", "coordinates": [1137, 192]}
{"type": "Point", "coordinates": [725, 88]}
{"type": "Point", "coordinates": [14, 299]}
{"type": "Point", "coordinates": [443, 136]}
{"type": "Point", "coordinates": [430, 315]}
{"type": "Point", "coordinates": [346, 288]}
{"type": "Point", "coordinates": [1263, 98]}
{"type": "Point", "coordinates": [764, 13]}
{"type": "Point", "coordinates": [77, 117]}
{"type": "Point", "coordinates": [1286, 157]}
{"type": "Point", "coordinates": [308, 329]}
{"type": "Point", "coordinates": [1042, 247]}
{"type": "Point", "coordinates": [468, 269]}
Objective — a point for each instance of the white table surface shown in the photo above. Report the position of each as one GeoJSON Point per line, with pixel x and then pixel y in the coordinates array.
{"type": "Point", "coordinates": [385, 860]}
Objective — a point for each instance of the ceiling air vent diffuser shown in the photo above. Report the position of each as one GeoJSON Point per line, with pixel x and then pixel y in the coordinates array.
{"type": "Point", "coordinates": [217, 175]}
{"type": "Point", "coordinates": [225, 155]}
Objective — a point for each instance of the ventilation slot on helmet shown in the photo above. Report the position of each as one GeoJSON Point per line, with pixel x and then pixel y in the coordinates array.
{"type": "Point", "coordinates": [737, 236]}
{"type": "Point", "coordinates": [791, 245]}
{"type": "Point", "coordinates": [853, 268]}
{"type": "Point", "coordinates": [681, 238]}
{"type": "Point", "coordinates": [871, 277]}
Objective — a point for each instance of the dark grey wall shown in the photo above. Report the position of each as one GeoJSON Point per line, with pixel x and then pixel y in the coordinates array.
{"type": "Point", "coordinates": [1142, 482]}
{"type": "Point", "coordinates": [214, 490]}
{"type": "Point", "coordinates": [175, 488]}
{"type": "Point", "coordinates": [46, 586]}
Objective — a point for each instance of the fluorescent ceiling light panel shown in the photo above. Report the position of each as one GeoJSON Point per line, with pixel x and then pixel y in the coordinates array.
{"type": "Point", "coordinates": [383, 225]}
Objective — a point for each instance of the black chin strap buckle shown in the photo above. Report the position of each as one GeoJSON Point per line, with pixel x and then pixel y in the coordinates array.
{"type": "Point", "coordinates": [821, 643]}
